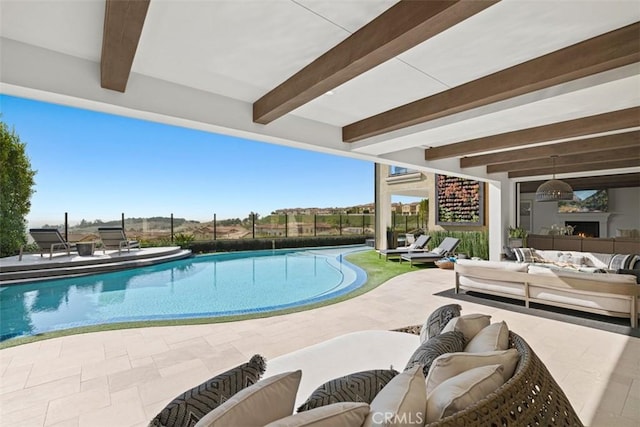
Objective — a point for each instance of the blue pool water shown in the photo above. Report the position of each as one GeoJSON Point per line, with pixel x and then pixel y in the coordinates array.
{"type": "Point", "coordinates": [203, 286]}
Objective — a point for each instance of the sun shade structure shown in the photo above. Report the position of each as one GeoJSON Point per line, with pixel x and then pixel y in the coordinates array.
{"type": "Point", "coordinates": [486, 90]}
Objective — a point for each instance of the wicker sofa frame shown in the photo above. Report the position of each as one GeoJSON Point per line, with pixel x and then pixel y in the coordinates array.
{"type": "Point", "coordinates": [530, 398]}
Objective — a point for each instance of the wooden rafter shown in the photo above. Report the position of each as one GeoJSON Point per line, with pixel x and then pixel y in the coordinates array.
{"type": "Point", "coordinates": [606, 122]}
{"type": "Point", "coordinates": [590, 182]}
{"type": "Point", "coordinates": [562, 161]}
{"type": "Point", "coordinates": [586, 145]}
{"type": "Point", "coordinates": [123, 22]}
{"type": "Point", "coordinates": [605, 52]}
{"type": "Point", "coordinates": [582, 167]}
{"type": "Point", "coordinates": [403, 26]}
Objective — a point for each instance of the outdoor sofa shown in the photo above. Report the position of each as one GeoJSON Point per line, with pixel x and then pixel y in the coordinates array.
{"type": "Point", "coordinates": [582, 281]}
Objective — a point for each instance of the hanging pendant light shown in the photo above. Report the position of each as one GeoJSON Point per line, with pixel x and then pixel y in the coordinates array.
{"type": "Point", "coordinates": [554, 189]}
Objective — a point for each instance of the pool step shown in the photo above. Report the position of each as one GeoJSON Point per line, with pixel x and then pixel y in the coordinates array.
{"type": "Point", "coordinates": [45, 271]}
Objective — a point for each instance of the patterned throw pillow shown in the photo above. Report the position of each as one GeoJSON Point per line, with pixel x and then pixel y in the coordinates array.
{"type": "Point", "coordinates": [526, 255]}
{"type": "Point", "coordinates": [187, 409]}
{"type": "Point", "coordinates": [625, 262]}
{"type": "Point", "coordinates": [358, 387]}
{"type": "Point", "coordinates": [447, 342]}
{"type": "Point", "coordinates": [438, 320]}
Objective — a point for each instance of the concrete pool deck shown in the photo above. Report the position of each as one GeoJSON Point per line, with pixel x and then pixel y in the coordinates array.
{"type": "Point", "coordinates": [33, 267]}
{"type": "Point", "coordinates": [124, 377]}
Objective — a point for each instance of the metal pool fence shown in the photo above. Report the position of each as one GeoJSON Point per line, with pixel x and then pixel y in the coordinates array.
{"type": "Point", "coordinates": [161, 230]}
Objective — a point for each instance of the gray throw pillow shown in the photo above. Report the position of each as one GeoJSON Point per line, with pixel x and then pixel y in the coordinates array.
{"type": "Point", "coordinates": [187, 409]}
{"type": "Point", "coordinates": [358, 387]}
{"type": "Point", "coordinates": [438, 320]}
{"type": "Point", "coordinates": [448, 342]}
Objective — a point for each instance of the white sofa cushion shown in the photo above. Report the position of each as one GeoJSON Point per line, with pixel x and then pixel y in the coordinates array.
{"type": "Point", "coordinates": [469, 324]}
{"type": "Point", "coordinates": [265, 401]}
{"type": "Point", "coordinates": [493, 337]}
{"type": "Point", "coordinates": [404, 398]}
{"type": "Point", "coordinates": [343, 414]}
{"type": "Point", "coordinates": [452, 364]}
{"type": "Point", "coordinates": [463, 390]}
{"type": "Point", "coordinates": [512, 288]}
{"type": "Point", "coordinates": [583, 275]}
{"type": "Point", "coordinates": [343, 355]}
{"type": "Point", "coordinates": [592, 300]}
{"type": "Point", "coordinates": [498, 265]}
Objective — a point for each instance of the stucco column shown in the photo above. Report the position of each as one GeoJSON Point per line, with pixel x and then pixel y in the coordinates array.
{"type": "Point", "coordinates": [502, 206]}
{"type": "Point", "coordinates": [382, 206]}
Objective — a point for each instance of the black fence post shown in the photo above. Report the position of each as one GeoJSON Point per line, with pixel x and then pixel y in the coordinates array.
{"type": "Point", "coordinates": [253, 225]}
{"type": "Point", "coordinates": [286, 225]}
{"type": "Point", "coordinates": [66, 226]}
{"type": "Point", "coordinates": [122, 219]}
{"type": "Point", "coordinates": [315, 225]}
{"type": "Point", "coordinates": [406, 224]}
{"type": "Point", "coordinates": [171, 228]}
{"type": "Point", "coordinates": [214, 227]}
{"type": "Point", "coordinates": [363, 233]}
{"type": "Point", "coordinates": [340, 215]}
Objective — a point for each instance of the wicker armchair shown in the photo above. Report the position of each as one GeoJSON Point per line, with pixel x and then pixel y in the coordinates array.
{"type": "Point", "coordinates": [530, 398]}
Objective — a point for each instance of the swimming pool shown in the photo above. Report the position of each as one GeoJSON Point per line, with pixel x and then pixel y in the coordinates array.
{"type": "Point", "coordinates": [203, 286]}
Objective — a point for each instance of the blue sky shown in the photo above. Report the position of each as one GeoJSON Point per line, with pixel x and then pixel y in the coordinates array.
{"type": "Point", "coordinates": [95, 166]}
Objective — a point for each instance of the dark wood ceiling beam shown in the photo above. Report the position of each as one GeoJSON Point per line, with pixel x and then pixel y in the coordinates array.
{"type": "Point", "coordinates": [590, 182]}
{"type": "Point", "coordinates": [605, 52]}
{"type": "Point", "coordinates": [582, 167]}
{"type": "Point", "coordinates": [606, 122]}
{"type": "Point", "coordinates": [403, 26]}
{"type": "Point", "coordinates": [587, 145]}
{"type": "Point", "coordinates": [123, 22]}
{"type": "Point", "coordinates": [570, 159]}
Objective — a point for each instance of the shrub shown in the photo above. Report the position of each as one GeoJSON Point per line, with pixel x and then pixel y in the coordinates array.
{"type": "Point", "coordinates": [229, 245]}
{"type": "Point", "coordinates": [472, 243]}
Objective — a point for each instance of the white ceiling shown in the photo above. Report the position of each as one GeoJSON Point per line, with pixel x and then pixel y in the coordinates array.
{"type": "Point", "coordinates": [203, 63]}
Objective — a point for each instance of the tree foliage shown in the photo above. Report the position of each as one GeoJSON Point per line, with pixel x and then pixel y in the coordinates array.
{"type": "Point", "coordinates": [16, 188]}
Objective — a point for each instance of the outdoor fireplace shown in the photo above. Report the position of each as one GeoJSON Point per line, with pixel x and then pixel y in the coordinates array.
{"type": "Point", "coordinates": [584, 228]}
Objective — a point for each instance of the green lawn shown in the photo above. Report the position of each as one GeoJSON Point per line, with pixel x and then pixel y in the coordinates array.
{"type": "Point", "coordinates": [378, 271]}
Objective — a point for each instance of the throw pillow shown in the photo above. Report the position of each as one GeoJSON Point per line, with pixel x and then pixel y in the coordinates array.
{"type": "Point", "coordinates": [624, 262]}
{"type": "Point", "coordinates": [358, 387]}
{"type": "Point", "coordinates": [452, 364]}
{"type": "Point", "coordinates": [438, 320]}
{"type": "Point", "coordinates": [526, 255]}
{"type": "Point", "coordinates": [509, 253]}
{"type": "Point", "coordinates": [186, 409]}
{"type": "Point", "coordinates": [493, 337]}
{"type": "Point", "coordinates": [467, 388]}
{"type": "Point", "coordinates": [448, 342]}
{"type": "Point", "coordinates": [266, 401]}
{"type": "Point", "coordinates": [404, 399]}
{"type": "Point", "coordinates": [343, 414]}
{"type": "Point", "coordinates": [469, 324]}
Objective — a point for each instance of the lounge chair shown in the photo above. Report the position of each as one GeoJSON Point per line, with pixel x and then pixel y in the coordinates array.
{"type": "Point", "coordinates": [50, 240]}
{"type": "Point", "coordinates": [418, 245]}
{"type": "Point", "coordinates": [445, 248]}
{"type": "Point", "coordinates": [114, 238]}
